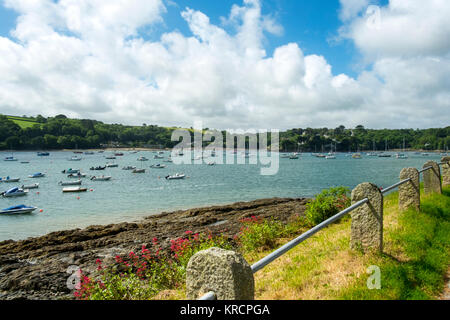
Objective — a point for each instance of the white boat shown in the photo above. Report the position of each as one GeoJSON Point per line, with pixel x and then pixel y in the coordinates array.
{"type": "Point", "coordinates": [128, 168]}
{"type": "Point", "coordinates": [157, 156]}
{"type": "Point", "coordinates": [356, 156]}
{"type": "Point", "coordinates": [169, 160]}
{"type": "Point", "coordinates": [9, 180]}
{"type": "Point", "coordinates": [142, 159]}
{"type": "Point", "coordinates": [10, 159]}
{"type": "Point", "coordinates": [75, 158]}
{"type": "Point", "coordinates": [77, 175]}
{"type": "Point", "coordinates": [138, 171]}
{"type": "Point", "coordinates": [74, 189]}
{"type": "Point", "coordinates": [211, 163]}
{"type": "Point", "coordinates": [158, 166]}
{"type": "Point", "coordinates": [18, 209]}
{"type": "Point", "coordinates": [37, 175]}
{"type": "Point", "coordinates": [31, 186]}
{"type": "Point", "coordinates": [70, 183]}
{"type": "Point", "coordinates": [293, 156]}
{"type": "Point", "coordinates": [176, 176]}
{"type": "Point", "coordinates": [330, 157]}
{"type": "Point", "coordinates": [112, 165]}
{"type": "Point", "coordinates": [89, 153]}
{"type": "Point", "coordinates": [14, 192]}
{"type": "Point", "coordinates": [101, 178]}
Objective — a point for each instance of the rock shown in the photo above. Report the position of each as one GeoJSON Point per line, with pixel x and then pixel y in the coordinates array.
{"type": "Point", "coordinates": [224, 272]}
{"type": "Point", "coordinates": [409, 193]}
{"type": "Point", "coordinates": [446, 172]}
{"type": "Point", "coordinates": [367, 220]}
{"type": "Point", "coordinates": [432, 178]}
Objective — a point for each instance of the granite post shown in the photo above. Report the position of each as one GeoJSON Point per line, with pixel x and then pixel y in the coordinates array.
{"type": "Point", "coordinates": [409, 193]}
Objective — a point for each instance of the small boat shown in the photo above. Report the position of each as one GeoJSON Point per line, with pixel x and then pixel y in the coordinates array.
{"type": "Point", "coordinates": [112, 165]}
{"type": "Point", "coordinates": [211, 163]}
{"type": "Point", "coordinates": [118, 154]}
{"type": "Point", "coordinates": [43, 154]}
{"type": "Point", "coordinates": [89, 152]}
{"type": "Point", "coordinates": [24, 162]}
{"type": "Point", "coordinates": [78, 152]}
{"type": "Point", "coordinates": [101, 151]}
{"type": "Point", "coordinates": [9, 180]}
{"type": "Point", "coordinates": [70, 170]}
{"type": "Point", "coordinates": [10, 159]}
{"type": "Point", "coordinates": [74, 189]}
{"type": "Point", "coordinates": [285, 156]}
{"type": "Point", "coordinates": [293, 157]}
{"type": "Point", "coordinates": [37, 175]}
{"type": "Point", "coordinates": [330, 157]}
{"type": "Point", "coordinates": [77, 175]}
{"type": "Point", "coordinates": [18, 209]}
{"type": "Point", "coordinates": [30, 186]}
{"type": "Point", "coordinates": [128, 168]}
{"type": "Point", "coordinates": [157, 156]}
{"type": "Point", "coordinates": [356, 156]}
{"type": "Point", "coordinates": [14, 192]}
{"type": "Point", "coordinates": [98, 168]}
{"type": "Point", "coordinates": [142, 158]}
{"type": "Point", "coordinates": [101, 178]}
{"type": "Point", "coordinates": [158, 166]}
{"type": "Point", "coordinates": [384, 155]}
{"type": "Point", "coordinates": [111, 158]}
{"type": "Point", "coordinates": [176, 176]}
{"type": "Point", "coordinates": [138, 171]}
{"type": "Point", "coordinates": [425, 154]}
{"type": "Point", "coordinates": [70, 183]}
{"type": "Point", "coordinates": [75, 158]}
{"type": "Point", "coordinates": [169, 160]}
{"type": "Point", "coordinates": [401, 156]}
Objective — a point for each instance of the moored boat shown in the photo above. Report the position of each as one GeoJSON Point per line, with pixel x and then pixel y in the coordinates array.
{"type": "Point", "coordinates": [9, 180]}
{"type": "Point", "coordinates": [14, 192]}
{"type": "Point", "coordinates": [37, 175]}
{"type": "Point", "coordinates": [70, 170]}
{"type": "Point", "coordinates": [129, 168]}
{"type": "Point", "coordinates": [98, 168]}
{"type": "Point", "coordinates": [43, 154]}
{"type": "Point", "coordinates": [138, 171]}
{"type": "Point", "coordinates": [18, 209]}
{"type": "Point", "coordinates": [10, 159]}
{"type": "Point", "coordinates": [70, 183]}
{"type": "Point", "coordinates": [76, 175]}
{"type": "Point", "coordinates": [74, 189]}
{"type": "Point", "coordinates": [176, 176]}
{"type": "Point", "coordinates": [158, 166]}
{"type": "Point", "coordinates": [142, 159]}
{"type": "Point", "coordinates": [101, 178]}
{"type": "Point", "coordinates": [30, 186]}
{"type": "Point", "coordinates": [112, 165]}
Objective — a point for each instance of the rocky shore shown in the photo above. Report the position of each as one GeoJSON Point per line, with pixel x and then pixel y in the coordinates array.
{"type": "Point", "coordinates": [36, 268]}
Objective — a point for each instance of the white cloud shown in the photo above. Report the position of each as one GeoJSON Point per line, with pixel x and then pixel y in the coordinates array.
{"type": "Point", "coordinates": [86, 59]}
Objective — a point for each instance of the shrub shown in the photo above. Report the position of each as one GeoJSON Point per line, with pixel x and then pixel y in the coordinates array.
{"type": "Point", "coordinates": [326, 204]}
{"type": "Point", "coordinates": [258, 234]}
{"type": "Point", "coordinates": [142, 275]}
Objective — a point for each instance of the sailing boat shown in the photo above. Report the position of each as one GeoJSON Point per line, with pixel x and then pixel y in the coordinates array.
{"type": "Point", "coordinates": [384, 155]}
{"type": "Point", "coordinates": [402, 155]}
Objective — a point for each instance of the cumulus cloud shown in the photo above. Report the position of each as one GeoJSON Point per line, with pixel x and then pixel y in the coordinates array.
{"type": "Point", "coordinates": [87, 59]}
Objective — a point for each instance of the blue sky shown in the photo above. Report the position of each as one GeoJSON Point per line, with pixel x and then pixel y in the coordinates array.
{"type": "Point", "coordinates": [82, 58]}
{"type": "Point", "coordinates": [311, 24]}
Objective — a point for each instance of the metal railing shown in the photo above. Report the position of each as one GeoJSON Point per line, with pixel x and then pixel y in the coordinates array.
{"type": "Point", "coordinates": [292, 244]}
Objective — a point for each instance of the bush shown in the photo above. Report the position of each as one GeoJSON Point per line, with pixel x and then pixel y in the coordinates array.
{"type": "Point", "coordinates": [142, 275]}
{"type": "Point", "coordinates": [259, 234]}
{"type": "Point", "coordinates": [327, 204]}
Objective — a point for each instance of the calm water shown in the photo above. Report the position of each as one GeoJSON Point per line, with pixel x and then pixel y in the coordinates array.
{"type": "Point", "coordinates": [129, 197]}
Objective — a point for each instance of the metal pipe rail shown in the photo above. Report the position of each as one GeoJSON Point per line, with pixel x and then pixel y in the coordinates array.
{"type": "Point", "coordinates": [398, 184]}
{"type": "Point", "coordinates": [279, 252]}
{"type": "Point", "coordinates": [290, 245]}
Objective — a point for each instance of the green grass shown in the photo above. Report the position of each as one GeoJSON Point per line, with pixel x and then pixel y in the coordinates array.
{"type": "Point", "coordinates": [23, 122]}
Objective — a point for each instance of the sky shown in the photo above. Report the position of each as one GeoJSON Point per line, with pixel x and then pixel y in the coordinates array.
{"type": "Point", "coordinates": [231, 64]}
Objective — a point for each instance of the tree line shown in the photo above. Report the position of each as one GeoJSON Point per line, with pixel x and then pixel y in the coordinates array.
{"type": "Point", "coordinates": [60, 132]}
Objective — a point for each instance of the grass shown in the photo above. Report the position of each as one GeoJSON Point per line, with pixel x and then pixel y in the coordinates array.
{"type": "Point", "coordinates": [413, 263]}
{"type": "Point", "coordinates": [23, 122]}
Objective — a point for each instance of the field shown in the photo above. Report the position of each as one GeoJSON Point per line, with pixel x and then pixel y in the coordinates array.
{"type": "Point", "coordinates": [23, 122]}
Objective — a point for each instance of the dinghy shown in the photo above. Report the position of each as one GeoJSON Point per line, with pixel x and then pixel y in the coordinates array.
{"type": "Point", "coordinates": [77, 175]}
{"type": "Point", "coordinates": [138, 171]}
{"type": "Point", "coordinates": [128, 168]}
{"type": "Point", "coordinates": [112, 165]}
{"type": "Point", "coordinates": [98, 168]}
{"type": "Point", "coordinates": [70, 170]}
{"type": "Point", "coordinates": [18, 209]}
{"type": "Point", "coordinates": [10, 159]}
{"type": "Point", "coordinates": [142, 159]}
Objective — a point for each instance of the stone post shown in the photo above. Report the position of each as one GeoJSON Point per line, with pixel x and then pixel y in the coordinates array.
{"type": "Point", "coordinates": [226, 273]}
{"type": "Point", "coordinates": [432, 178]}
{"type": "Point", "coordinates": [367, 220]}
{"type": "Point", "coordinates": [446, 172]}
{"type": "Point", "coordinates": [409, 193]}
